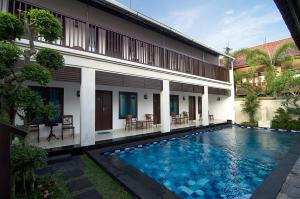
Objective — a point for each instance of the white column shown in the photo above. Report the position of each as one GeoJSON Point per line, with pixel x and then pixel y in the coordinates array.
{"type": "Point", "coordinates": [4, 5]}
{"type": "Point", "coordinates": [205, 120]}
{"type": "Point", "coordinates": [165, 107]}
{"type": "Point", "coordinates": [87, 107]}
{"type": "Point", "coordinates": [196, 107]}
{"type": "Point", "coordinates": [232, 97]}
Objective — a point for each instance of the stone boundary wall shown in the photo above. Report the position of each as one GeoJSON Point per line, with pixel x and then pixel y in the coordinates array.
{"type": "Point", "coordinates": [269, 103]}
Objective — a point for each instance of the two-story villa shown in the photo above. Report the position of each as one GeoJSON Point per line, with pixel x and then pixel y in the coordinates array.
{"type": "Point", "coordinates": [121, 63]}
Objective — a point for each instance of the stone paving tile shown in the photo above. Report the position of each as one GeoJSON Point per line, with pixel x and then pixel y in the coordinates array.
{"type": "Point", "coordinates": [91, 194]}
{"type": "Point", "coordinates": [291, 187]}
{"type": "Point", "coordinates": [44, 171]}
{"type": "Point", "coordinates": [72, 173]}
{"type": "Point", "coordinates": [71, 167]}
{"type": "Point", "coordinates": [77, 185]}
{"type": "Point", "coordinates": [64, 166]}
{"type": "Point", "coordinates": [282, 196]}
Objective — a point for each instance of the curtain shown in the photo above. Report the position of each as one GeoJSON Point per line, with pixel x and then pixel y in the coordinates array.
{"type": "Point", "coordinates": [127, 105]}
{"type": "Point", "coordinates": [55, 98]}
{"type": "Point", "coordinates": [174, 104]}
{"type": "Point", "coordinates": [133, 108]}
{"type": "Point", "coordinates": [123, 106]}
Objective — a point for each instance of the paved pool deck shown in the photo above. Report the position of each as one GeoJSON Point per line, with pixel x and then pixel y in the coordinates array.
{"type": "Point", "coordinates": [291, 187]}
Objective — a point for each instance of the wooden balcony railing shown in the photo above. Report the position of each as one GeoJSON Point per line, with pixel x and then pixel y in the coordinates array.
{"type": "Point", "coordinates": [81, 35]}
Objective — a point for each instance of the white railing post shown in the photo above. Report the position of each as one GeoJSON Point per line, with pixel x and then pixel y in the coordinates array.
{"type": "Point", "coordinates": [165, 107]}
{"type": "Point", "coordinates": [232, 96]}
{"type": "Point", "coordinates": [87, 106]}
{"type": "Point", "coordinates": [205, 119]}
{"type": "Point", "coordinates": [4, 5]}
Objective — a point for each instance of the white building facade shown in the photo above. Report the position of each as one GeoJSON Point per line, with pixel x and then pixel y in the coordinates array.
{"type": "Point", "coordinates": [120, 62]}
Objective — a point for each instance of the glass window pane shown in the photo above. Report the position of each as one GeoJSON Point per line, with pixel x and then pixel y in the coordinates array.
{"type": "Point", "coordinates": [55, 98]}
{"type": "Point", "coordinates": [174, 104]}
{"type": "Point", "coordinates": [133, 108]}
{"type": "Point", "coordinates": [123, 106]}
{"type": "Point", "coordinates": [41, 92]}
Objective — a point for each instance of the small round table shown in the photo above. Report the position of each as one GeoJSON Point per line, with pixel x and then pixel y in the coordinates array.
{"type": "Point", "coordinates": [51, 134]}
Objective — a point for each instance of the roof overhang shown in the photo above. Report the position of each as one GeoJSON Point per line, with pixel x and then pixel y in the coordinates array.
{"type": "Point", "coordinates": [290, 11]}
{"type": "Point", "coordinates": [118, 9]}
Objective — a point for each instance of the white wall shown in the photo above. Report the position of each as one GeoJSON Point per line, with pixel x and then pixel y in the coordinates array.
{"type": "Point", "coordinates": [145, 106]}
{"type": "Point", "coordinates": [71, 107]}
{"type": "Point", "coordinates": [271, 105]}
{"type": "Point", "coordinates": [220, 109]}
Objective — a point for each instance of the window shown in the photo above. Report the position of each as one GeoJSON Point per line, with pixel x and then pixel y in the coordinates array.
{"type": "Point", "coordinates": [54, 95]}
{"type": "Point", "coordinates": [127, 104]}
{"type": "Point", "coordinates": [174, 104]}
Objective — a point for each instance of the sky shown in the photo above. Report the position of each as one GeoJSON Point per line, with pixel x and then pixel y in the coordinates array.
{"type": "Point", "coordinates": [217, 23]}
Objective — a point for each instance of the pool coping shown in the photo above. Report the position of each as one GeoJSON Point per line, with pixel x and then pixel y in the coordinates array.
{"type": "Point", "coordinates": [265, 128]}
{"type": "Point", "coordinates": [130, 177]}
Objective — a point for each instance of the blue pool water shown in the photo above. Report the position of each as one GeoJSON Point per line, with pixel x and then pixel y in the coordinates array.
{"type": "Point", "coordinates": [226, 163]}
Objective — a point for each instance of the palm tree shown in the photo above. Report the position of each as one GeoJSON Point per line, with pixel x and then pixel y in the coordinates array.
{"type": "Point", "coordinates": [257, 57]}
{"type": "Point", "coordinates": [250, 106]}
{"type": "Point", "coordinates": [238, 77]}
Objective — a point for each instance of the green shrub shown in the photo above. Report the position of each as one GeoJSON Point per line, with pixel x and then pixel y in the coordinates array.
{"type": "Point", "coordinates": [10, 27]}
{"type": "Point", "coordinates": [25, 159]}
{"type": "Point", "coordinates": [253, 124]}
{"type": "Point", "coordinates": [283, 121]}
{"type": "Point", "coordinates": [294, 125]}
{"type": "Point", "coordinates": [50, 58]}
{"type": "Point", "coordinates": [46, 187]}
{"type": "Point", "coordinates": [46, 24]}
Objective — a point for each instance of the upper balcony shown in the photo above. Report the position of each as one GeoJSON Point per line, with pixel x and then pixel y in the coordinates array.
{"type": "Point", "coordinates": [81, 35]}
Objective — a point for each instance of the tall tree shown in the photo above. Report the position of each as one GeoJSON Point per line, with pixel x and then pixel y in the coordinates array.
{"type": "Point", "coordinates": [281, 57]}
{"type": "Point", "coordinates": [250, 106]}
{"type": "Point", "coordinates": [287, 85]}
{"type": "Point", "coordinates": [238, 77]}
{"type": "Point", "coordinates": [249, 76]}
{"type": "Point", "coordinates": [17, 67]}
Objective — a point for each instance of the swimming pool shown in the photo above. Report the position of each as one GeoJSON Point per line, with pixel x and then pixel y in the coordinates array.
{"type": "Point", "coordinates": [224, 163]}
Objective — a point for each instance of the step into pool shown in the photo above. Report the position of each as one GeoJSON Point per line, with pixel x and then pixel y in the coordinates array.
{"type": "Point", "coordinates": [221, 163]}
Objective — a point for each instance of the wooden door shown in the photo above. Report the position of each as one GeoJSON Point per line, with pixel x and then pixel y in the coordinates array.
{"type": "Point", "coordinates": [200, 105]}
{"type": "Point", "coordinates": [156, 108]}
{"type": "Point", "coordinates": [103, 110]}
{"type": "Point", "coordinates": [192, 108]}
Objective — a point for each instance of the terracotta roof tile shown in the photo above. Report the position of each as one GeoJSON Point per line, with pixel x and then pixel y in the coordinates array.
{"type": "Point", "coordinates": [268, 47]}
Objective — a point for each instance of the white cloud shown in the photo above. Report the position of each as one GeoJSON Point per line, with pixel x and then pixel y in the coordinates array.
{"type": "Point", "coordinates": [229, 12]}
{"type": "Point", "coordinates": [239, 28]}
{"type": "Point", "coordinates": [182, 20]}
{"type": "Point", "coordinates": [243, 29]}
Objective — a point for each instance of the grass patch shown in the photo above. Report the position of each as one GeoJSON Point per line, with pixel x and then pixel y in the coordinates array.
{"type": "Point", "coordinates": [103, 183]}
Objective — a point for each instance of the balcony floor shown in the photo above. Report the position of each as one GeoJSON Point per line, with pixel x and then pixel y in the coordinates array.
{"type": "Point", "coordinates": [103, 135]}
